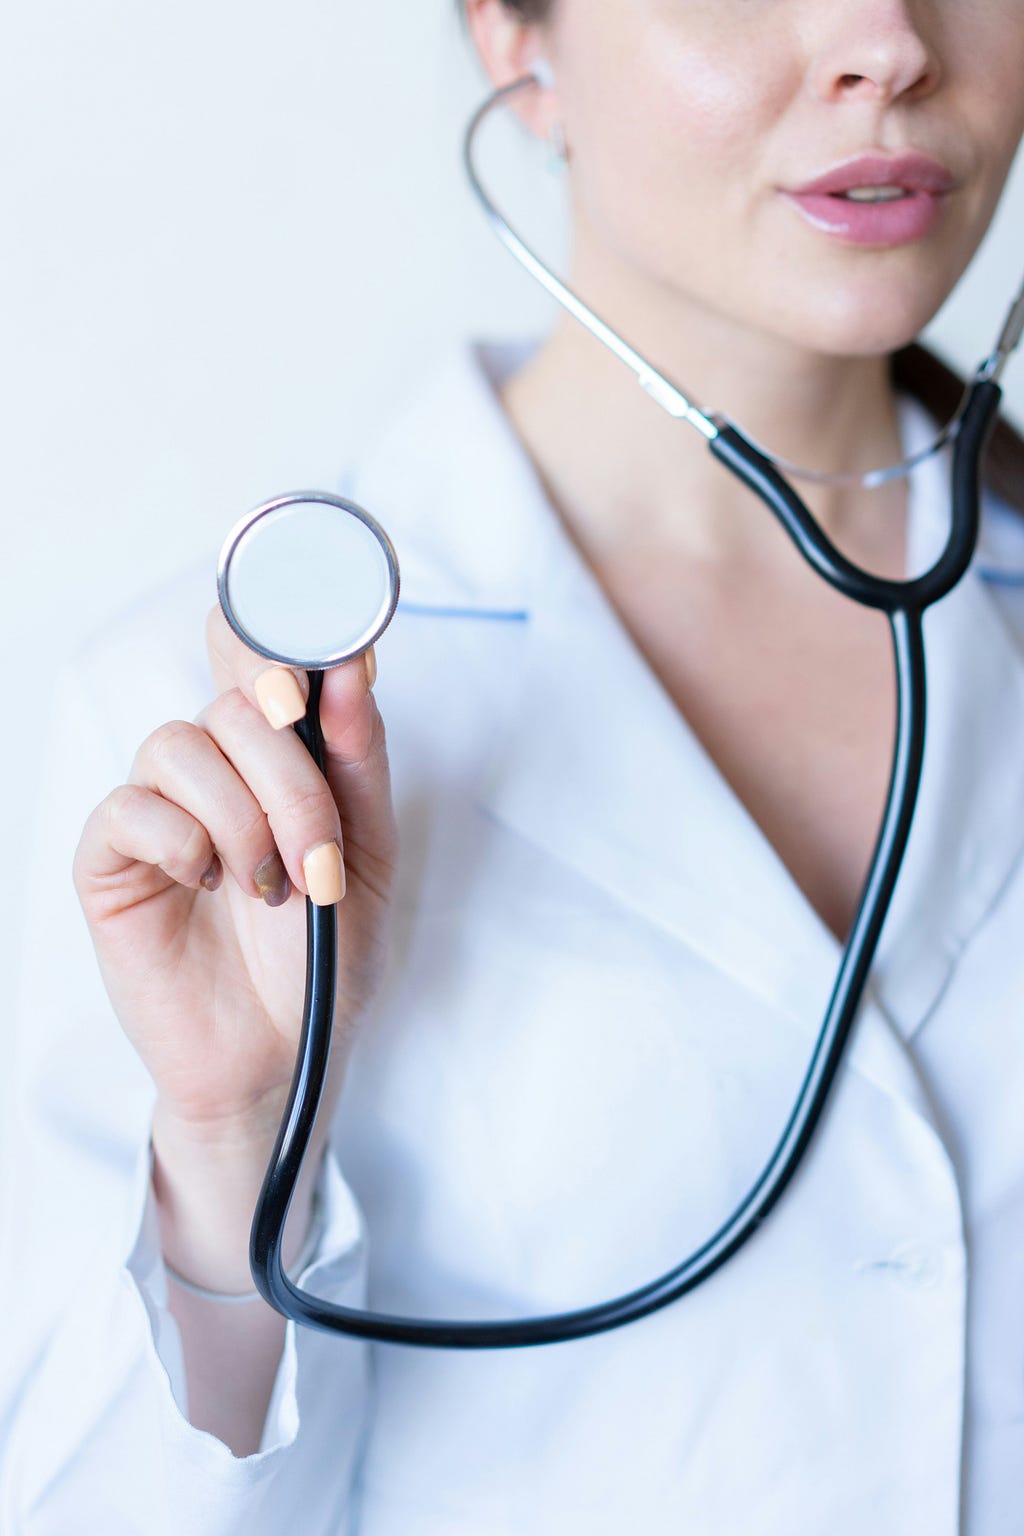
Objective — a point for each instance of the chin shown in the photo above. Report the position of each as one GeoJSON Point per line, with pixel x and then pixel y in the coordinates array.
{"type": "Point", "coordinates": [865, 325]}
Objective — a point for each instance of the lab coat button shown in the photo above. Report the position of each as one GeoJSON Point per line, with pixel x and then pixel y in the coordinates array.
{"type": "Point", "coordinates": [920, 1268]}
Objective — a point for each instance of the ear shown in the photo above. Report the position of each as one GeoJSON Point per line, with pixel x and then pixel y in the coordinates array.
{"type": "Point", "coordinates": [509, 48]}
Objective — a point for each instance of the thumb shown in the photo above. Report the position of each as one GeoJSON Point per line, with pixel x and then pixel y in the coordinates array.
{"type": "Point", "coordinates": [356, 768]}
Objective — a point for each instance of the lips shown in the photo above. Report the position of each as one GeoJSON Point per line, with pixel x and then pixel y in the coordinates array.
{"type": "Point", "coordinates": [912, 172]}
{"type": "Point", "coordinates": [908, 210]}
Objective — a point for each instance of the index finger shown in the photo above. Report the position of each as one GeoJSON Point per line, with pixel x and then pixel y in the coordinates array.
{"type": "Point", "coordinates": [279, 692]}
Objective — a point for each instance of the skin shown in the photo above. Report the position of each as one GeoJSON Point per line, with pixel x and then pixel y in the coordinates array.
{"type": "Point", "coordinates": [203, 978]}
{"type": "Point", "coordinates": [683, 119]}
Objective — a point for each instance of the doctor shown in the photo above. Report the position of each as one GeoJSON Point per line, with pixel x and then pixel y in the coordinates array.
{"type": "Point", "coordinates": [593, 883]}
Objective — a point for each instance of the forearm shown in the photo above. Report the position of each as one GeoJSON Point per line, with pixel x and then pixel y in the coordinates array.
{"type": "Point", "coordinates": [205, 1195]}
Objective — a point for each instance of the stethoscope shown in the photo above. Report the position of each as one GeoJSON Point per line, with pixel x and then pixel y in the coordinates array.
{"type": "Point", "coordinates": [310, 580]}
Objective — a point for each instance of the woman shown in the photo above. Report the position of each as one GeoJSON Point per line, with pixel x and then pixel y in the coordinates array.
{"type": "Point", "coordinates": [592, 890]}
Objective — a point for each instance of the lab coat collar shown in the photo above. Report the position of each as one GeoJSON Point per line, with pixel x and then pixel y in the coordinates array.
{"type": "Point", "coordinates": [597, 767]}
{"type": "Point", "coordinates": [455, 490]}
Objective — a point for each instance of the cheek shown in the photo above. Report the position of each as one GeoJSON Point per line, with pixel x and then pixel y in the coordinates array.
{"type": "Point", "coordinates": [984, 78]}
{"type": "Point", "coordinates": [683, 117]}
{"type": "Point", "coordinates": [985, 75]}
{"type": "Point", "coordinates": [669, 141]}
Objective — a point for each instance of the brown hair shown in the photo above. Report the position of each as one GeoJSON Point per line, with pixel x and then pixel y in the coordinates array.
{"type": "Point", "coordinates": [915, 369]}
{"type": "Point", "coordinates": [922, 374]}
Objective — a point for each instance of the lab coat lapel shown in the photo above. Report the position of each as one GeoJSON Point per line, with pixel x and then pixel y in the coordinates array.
{"type": "Point", "coordinates": [968, 834]}
{"type": "Point", "coordinates": [595, 765]}
{"type": "Point", "coordinates": [599, 769]}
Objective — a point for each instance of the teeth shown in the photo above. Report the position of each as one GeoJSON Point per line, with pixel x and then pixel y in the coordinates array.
{"type": "Point", "coordinates": [875, 194]}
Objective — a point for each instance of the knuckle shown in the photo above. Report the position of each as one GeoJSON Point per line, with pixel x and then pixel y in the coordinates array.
{"type": "Point", "coordinates": [168, 740]}
{"type": "Point", "coordinates": [193, 853]}
{"type": "Point", "coordinates": [228, 710]}
{"type": "Point", "coordinates": [378, 734]}
{"type": "Point", "coordinates": [365, 744]}
{"type": "Point", "coordinates": [121, 805]}
{"type": "Point", "coordinates": [373, 758]}
{"type": "Point", "coordinates": [309, 803]}
{"type": "Point", "coordinates": [249, 826]}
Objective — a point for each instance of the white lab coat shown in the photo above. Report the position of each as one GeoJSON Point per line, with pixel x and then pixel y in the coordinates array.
{"type": "Point", "coordinates": [602, 993]}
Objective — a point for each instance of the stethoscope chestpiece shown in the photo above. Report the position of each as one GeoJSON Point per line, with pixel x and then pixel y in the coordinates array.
{"type": "Point", "coordinates": [309, 580]}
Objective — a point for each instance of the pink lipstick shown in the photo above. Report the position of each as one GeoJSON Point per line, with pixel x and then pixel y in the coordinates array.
{"type": "Point", "coordinates": [876, 199]}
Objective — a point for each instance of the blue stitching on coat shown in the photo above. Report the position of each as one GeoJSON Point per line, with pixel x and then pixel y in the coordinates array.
{"type": "Point", "coordinates": [515, 616]}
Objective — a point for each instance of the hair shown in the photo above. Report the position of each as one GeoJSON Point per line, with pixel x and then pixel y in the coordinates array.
{"type": "Point", "coordinates": [924, 375]}
{"type": "Point", "coordinates": [915, 369]}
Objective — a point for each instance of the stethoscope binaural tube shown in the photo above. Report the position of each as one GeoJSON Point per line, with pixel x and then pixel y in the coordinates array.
{"type": "Point", "coordinates": [904, 603]}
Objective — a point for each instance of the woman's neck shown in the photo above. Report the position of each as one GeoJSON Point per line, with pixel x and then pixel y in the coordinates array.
{"type": "Point", "coordinates": [624, 475]}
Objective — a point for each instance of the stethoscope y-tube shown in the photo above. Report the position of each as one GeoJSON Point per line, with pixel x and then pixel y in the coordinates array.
{"type": "Point", "coordinates": [904, 603]}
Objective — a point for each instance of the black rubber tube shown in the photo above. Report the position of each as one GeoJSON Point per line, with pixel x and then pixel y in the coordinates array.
{"type": "Point", "coordinates": [917, 594]}
{"type": "Point", "coordinates": [905, 603]}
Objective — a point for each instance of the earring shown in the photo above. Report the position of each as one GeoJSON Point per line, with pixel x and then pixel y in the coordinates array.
{"type": "Point", "coordinates": [558, 152]}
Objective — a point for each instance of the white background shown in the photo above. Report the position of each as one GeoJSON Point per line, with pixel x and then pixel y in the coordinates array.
{"type": "Point", "coordinates": [230, 231]}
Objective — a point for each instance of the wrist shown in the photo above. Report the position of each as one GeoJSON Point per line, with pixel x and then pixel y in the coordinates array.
{"type": "Point", "coordinates": [206, 1188]}
{"type": "Point", "coordinates": [222, 1298]}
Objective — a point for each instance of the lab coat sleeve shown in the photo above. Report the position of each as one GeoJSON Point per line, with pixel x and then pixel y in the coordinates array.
{"type": "Point", "coordinates": [94, 1432]}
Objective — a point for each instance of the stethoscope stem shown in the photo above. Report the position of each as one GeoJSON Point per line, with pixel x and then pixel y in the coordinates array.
{"type": "Point", "coordinates": [266, 1256]}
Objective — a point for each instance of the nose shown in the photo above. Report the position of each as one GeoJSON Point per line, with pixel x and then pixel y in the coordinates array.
{"type": "Point", "coordinates": [875, 51]}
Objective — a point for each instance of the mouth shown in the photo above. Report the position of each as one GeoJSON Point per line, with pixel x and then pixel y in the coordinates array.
{"type": "Point", "coordinates": [879, 200]}
{"type": "Point", "coordinates": [864, 176]}
{"type": "Point", "coordinates": [873, 194]}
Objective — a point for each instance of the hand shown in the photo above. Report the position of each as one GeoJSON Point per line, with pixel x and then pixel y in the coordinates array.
{"type": "Point", "coordinates": [190, 876]}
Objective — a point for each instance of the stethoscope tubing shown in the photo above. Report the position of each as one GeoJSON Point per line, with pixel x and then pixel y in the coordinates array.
{"type": "Point", "coordinates": [905, 603]}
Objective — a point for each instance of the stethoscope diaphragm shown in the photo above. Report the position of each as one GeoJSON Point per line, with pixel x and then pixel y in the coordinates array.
{"type": "Point", "coordinates": [308, 580]}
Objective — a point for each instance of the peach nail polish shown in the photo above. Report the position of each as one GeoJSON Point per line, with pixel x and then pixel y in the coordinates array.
{"type": "Point", "coordinates": [280, 697]}
{"type": "Point", "coordinates": [324, 869]}
{"type": "Point", "coordinates": [371, 667]}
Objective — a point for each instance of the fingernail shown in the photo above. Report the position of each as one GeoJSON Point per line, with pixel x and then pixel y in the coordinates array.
{"type": "Point", "coordinates": [212, 878]}
{"type": "Point", "coordinates": [324, 869]}
{"type": "Point", "coordinates": [271, 880]}
{"type": "Point", "coordinates": [371, 667]}
{"type": "Point", "coordinates": [280, 697]}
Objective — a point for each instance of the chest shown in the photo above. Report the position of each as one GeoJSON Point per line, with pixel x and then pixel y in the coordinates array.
{"type": "Point", "coordinates": [791, 692]}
